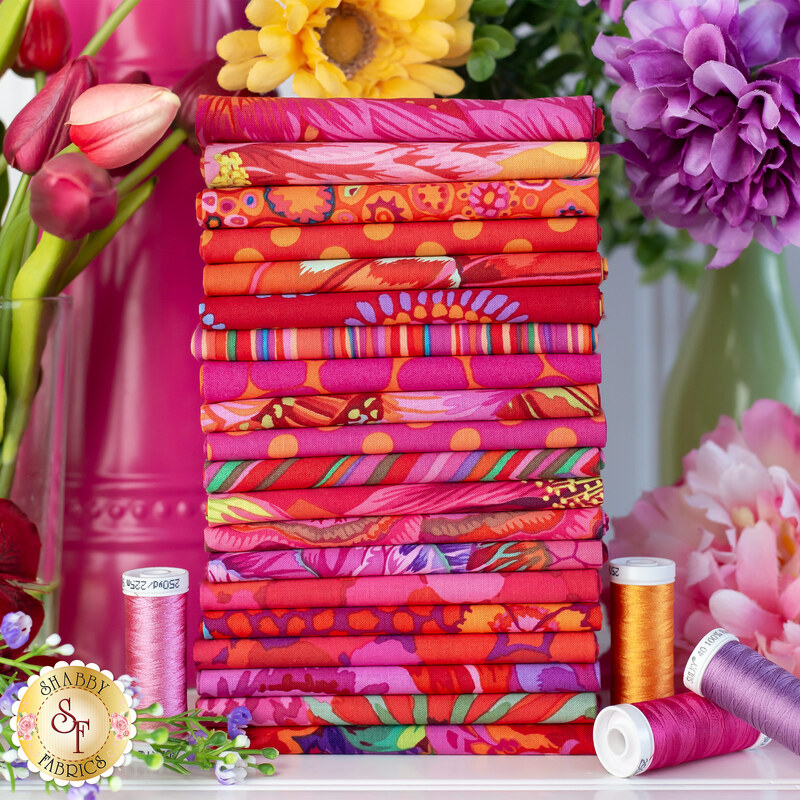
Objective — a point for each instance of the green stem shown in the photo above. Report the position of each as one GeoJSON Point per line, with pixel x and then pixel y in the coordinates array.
{"type": "Point", "coordinates": [39, 79]}
{"type": "Point", "coordinates": [30, 241]}
{"type": "Point", "coordinates": [152, 162]}
{"type": "Point", "coordinates": [108, 27]}
{"type": "Point", "coordinates": [3, 164]}
{"type": "Point", "coordinates": [18, 199]}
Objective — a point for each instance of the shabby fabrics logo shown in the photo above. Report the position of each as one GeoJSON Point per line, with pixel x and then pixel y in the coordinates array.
{"type": "Point", "coordinates": [73, 723]}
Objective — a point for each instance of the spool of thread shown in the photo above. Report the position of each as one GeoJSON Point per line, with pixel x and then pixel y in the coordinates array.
{"type": "Point", "coordinates": [740, 680]}
{"type": "Point", "coordinates": [155, 634]}
{"type": "Point", "coordinates": [631, 739]}
{"type": "Point", "coordinates": [642, 600]}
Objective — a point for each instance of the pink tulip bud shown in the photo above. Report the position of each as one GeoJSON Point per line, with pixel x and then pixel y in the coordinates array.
{"type": "Point", "coordinates": [46, 40]}
{"type": "Point", "coordinates": [71, 197]}
{"type": "Point", "coordinates": [39, 131]}
{"type": "Point", "coordinates": [201, 80]}
{"type": "Point", "coordinates": [116, 123]}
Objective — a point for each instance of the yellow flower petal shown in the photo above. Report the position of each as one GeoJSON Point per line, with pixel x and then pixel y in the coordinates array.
{"type": "Point", "coordinates": [403, 87]}
{"type": "Point", "coordinates": [264, 12]}
{"type": "Point", "coordinates": [438, 79]}
{"type": "Point", "coordinates": [296, 16]}
{"type": "Point", "coordinates": [306, 85]}
{"type": "Point", "coordinates": [330, 77]}
{"type": "Point", "coordinates": [461, 10]}
{"type": "Point", "coordinates": [439, 9]}
{"type": "Point", "coordinates": [462, 44]}
{"type": "Point", "coordinates": [239, 46]}
{"type": "Point", "coordinates": [233, 76]}
{"type": "Point", "coordinates": [267, 73]}
{"type": "Point", "coordinates": [401, 9]}
{"type": "Point", "coordinates": [275, 41]}
{"type": "Point", "coordinates": [430, 37]}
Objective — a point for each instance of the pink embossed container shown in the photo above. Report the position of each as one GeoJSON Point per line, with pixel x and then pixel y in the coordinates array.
{"type": "Point", "coordinates": [133, 480]}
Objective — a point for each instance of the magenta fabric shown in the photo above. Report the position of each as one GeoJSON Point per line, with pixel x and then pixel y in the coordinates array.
{"type": "Point", "coordinates": [303, 119]}
{"type": "Point", "coordinates": [437, 437]}
{"type": "Point", "coordinates": [221, 381]}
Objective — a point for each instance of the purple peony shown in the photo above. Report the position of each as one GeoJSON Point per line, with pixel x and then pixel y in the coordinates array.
{"type": "Point", "coordinates": [711, 147]}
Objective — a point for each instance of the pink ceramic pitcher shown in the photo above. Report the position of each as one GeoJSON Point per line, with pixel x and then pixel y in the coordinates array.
{"type": "Point", "coordinates": [134, 462]}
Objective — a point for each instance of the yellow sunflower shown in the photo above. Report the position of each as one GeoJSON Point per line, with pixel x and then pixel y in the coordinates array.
{"type": "Point", "coordinates": [349, 48]}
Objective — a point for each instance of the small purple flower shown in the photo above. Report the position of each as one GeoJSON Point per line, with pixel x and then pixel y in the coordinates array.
{"type": "Point", "coordinates": [612, 7]}
{"type": "Point", "coordinates": [710, 147]}
{"type": "Point", "coordinates": [238, 719]}
{"type": "Point", "coordinates": [9, 697]}
{"type": "Point", "coordinates": [229, 775]}
{"type": "Point", "coordinates": [16, 629]}
{"type": "Point", "coordinates": [86, 792]}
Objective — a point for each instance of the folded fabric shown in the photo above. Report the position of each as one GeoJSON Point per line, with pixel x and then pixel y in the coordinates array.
{"type": "Point", "coordinates": [458, 306]}
{"type": "Point", "coordinates": [388, 680]}
{"type": "Point", "coordinates": [381, 408]}
{"type": "Point", "coordinates": [404, 273]}
{"type": "Point", "coordinates": [220, 381]}
{"type": "Point", "coordinates": [384, 240]}
{"type": "Point", "coordinates": [276, 206]}
{"type": "Point", "coordinates": [406, 559]}
{"type": "Point", "coordinates": [350, 163]}
{"type": "Point", "coordinates": [334, 651]}
{"type": "Point", "coordinates": [392, 341]}
{"type": "Point", "coordinates": [266, 119]}
{"type": "Point", "coordinates": [438, 437]}
{"type": "Point", "coordinates": [573, 586]}
{"type": "Point", "coordinates": [442, 740]}
{"type": "Point", "coordinates": [410, 498]}
{"type": "Point", "coordinates": [396, 468]}
{"type": "Point", "coordinates": [486, 526]}
{"type": "Point", "coordinates": [397, 620]}
{"type": "Point", "coordinates": [441, 709]}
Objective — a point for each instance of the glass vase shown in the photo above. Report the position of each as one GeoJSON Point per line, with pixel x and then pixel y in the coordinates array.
{"type": "Point", "coordinates": [742, 343]}
{"type": "Point", "coordinates": [38, 479]}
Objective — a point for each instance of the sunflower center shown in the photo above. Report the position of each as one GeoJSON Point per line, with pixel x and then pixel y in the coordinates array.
{"type": "Point", "coordinates": [348, 39]}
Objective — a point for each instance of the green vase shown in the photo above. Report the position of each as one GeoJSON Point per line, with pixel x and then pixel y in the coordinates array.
{"type": "Point", "coordinates": [742, 343]}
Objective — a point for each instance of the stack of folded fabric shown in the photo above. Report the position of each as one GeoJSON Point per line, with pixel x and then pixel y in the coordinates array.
{"type": "Point", "coordinates": [403, 423]}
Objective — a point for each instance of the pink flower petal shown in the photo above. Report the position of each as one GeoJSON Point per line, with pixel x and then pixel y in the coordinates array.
{"type": "Point", "coordinates": [742, 616]}
{"type": "Point", "coordinates": [757, 565]}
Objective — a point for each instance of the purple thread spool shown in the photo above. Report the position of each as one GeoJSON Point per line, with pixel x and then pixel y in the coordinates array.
{"type": "Point", "coordinates": [740, 680]}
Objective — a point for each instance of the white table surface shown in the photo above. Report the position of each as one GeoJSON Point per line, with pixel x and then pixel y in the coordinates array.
{"type": "Point", "coordinates": [757, 775]}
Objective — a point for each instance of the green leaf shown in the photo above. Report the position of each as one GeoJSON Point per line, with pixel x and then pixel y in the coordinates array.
{"type": "Point", "coordinates": [485, 45]}
{"type": "Point", "coordinates": [3, 174]}
{"type": "Point", "coordinates": [559, 67]}
{"type": "Point", "coordinates": [491, 8]}
{"type": "Point", "coordinates": [480, 66]}
{"type": "Point", "coordinates": [505, 41]}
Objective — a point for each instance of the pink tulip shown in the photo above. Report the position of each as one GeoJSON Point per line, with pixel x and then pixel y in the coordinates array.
{"type": "Point", "coordinates": [71, 196]}
{"type": "Point", "coordinates": [116, 123]}
{"type": "Point", "coordinates": [46, 40]}
{"type": "Point", "coordinates": [39, 131]}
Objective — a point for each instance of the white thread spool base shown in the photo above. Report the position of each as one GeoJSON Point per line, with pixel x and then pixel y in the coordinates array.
{"type": "Point", "coordinates": [623, 740]}
{"type": "Point", "coordinates": [155, 582]}
{"type": "Point", "coordinates": [701, 657]}
{"type": "Point", "coordinates": [641, 571]}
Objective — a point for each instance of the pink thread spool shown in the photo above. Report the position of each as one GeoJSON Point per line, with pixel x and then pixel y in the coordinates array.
{"type": "Point", "coordinates": [631, 738]}
{"type": "Point", "coordinates": [155, 634]}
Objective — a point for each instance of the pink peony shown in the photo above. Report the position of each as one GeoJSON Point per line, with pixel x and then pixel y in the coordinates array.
{"type": "Point", "coordinates": [26, 725]}
{"type": "Point", "coordinates": [120, 725]}
{"type": "Point", "coordinates": [732, 525]}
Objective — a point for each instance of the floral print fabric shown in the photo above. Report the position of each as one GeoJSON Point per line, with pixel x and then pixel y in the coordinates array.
{"type": "Point", "coordinates": [398, 273]}
{"type": "Point", "coordinates": [401, 620]}
{"type": "Point", "coordinates": [388, 680]}
{"type": "Point", "coordinates": [265, 119]}
{"type": "Point", "coordinates": [482, 526]}
{"type": "Point", "coordinates": [304, 163]}
{"type": "Point", "coordinates": [441, 709]}
{"type": "Point", "coordinates": [410, 202]}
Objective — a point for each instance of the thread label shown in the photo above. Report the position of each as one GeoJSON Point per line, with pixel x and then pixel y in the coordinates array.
{"type": "Point", "coordinates": [150, 584]}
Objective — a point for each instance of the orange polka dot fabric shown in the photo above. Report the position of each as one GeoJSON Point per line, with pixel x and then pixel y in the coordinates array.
{"type": "Point", "coordinates": [429, 433]}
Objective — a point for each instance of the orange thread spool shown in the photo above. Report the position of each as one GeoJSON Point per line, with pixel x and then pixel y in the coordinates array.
{"type": "Point", "coordinates": [642, 630]}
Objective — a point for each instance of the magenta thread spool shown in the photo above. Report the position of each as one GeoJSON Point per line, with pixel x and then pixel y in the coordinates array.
{"type": "Point", "coordinates": [155, 634]}
{"type": "Point", "coordinates": [631, 738]}
{"type": "Point", "coordinates": [740, 680]}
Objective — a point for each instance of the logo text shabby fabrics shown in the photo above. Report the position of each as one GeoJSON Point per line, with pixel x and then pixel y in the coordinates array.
{"type": "Point", "coordinates": [73, 723]}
